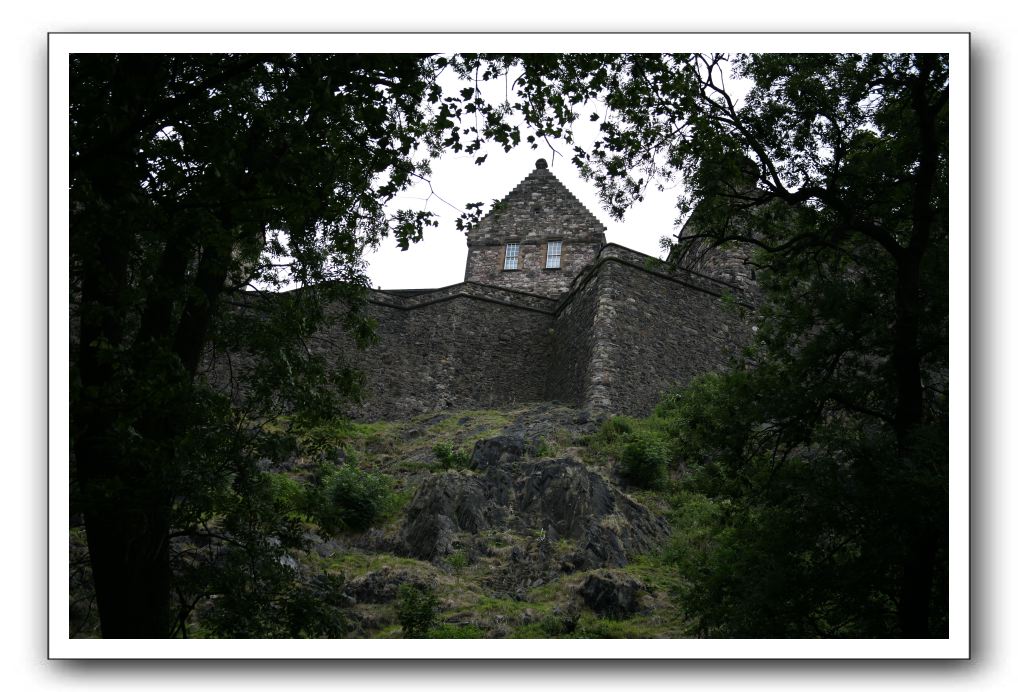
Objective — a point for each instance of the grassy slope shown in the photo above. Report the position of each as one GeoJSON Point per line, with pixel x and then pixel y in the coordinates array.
{"type": "Point", "coordinates": [405, 451]}
{"type": "Point", "coordinates": [468, 604]}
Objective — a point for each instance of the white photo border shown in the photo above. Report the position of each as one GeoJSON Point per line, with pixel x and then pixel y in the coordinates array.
{"type": "Point", "coordinates": [956, 45]}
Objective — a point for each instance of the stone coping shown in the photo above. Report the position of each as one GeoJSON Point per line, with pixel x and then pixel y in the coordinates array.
{"type": "Point", "coordinates": [411, 298]}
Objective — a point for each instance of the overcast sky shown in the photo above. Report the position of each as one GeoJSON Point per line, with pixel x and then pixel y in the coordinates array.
{"type": "Point", "coordinates": [440, 258]}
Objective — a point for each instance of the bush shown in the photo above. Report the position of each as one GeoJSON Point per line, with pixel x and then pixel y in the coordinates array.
{"type": "Point", "coordinates": [645, 458]}
{"type": "Point", "coordinates": [345, 498]}
{"type": "Point", "coordinates": [459, 561]}
{"type": "Point", "coordinates": [559, 625]}
{"type": "Point", "coordinates": [449, 457]}
{"type": "Point", "coordinates": [615, 428]}
{"type": "Point", "coordinates": [286, 492]}
{"type": "Point", "coordinates": [415, 609]}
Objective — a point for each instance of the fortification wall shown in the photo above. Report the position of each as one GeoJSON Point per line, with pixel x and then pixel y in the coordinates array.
{"type": "Point", "coordinates": [466, 346]}
{"type": "Point", "coordinates": [629, 329]}
{"type": "Point", "coordinates": [656, 329]}
{"type": "Point", "coordinates": [573, 346]}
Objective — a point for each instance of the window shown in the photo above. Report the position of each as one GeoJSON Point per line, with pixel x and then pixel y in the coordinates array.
{"type": "Point", "coordinates": [554, 254]}
{"type": "Point", "coordinates": [512, 256]}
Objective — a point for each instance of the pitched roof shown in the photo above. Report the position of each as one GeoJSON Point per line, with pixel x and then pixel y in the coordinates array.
{"type": "Point", "coordinates": [538, 207]}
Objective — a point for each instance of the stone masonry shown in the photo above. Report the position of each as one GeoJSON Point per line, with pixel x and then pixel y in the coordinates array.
{"type": "Point", "coordinates": [538, 211]}
{"type": "Point", "coordinates": [611, 330]}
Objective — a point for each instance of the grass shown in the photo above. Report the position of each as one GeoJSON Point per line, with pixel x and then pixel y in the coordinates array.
{"type": "Point", "coordinates": [355, 563]}
{"type": "Point", "coordinates": [436, 442]}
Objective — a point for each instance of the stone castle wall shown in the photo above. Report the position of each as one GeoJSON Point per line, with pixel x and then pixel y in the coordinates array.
{"type": "Point", "coordinates": [469, 347]}
{"type": "Point", "coordinates": [659, 329]}
{"type": "Point", "coordinates": [629, 329]}
{"type": "Point", "coordinates": [573, 346]}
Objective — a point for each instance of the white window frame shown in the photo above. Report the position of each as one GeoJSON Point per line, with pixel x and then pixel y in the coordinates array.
{"type": "Point", "coordinates": [554, 260]}
{"type": "Point", "coordinates": [512, 257]}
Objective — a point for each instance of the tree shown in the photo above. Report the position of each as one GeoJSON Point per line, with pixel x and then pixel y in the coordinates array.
{"type": "Point", "coordinates": [828, 444]}
{"type": "Point", "coordinates": [197, 182]}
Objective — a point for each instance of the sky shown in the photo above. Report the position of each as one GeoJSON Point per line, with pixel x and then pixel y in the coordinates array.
{"type": "Point", "coordinates": [440, 258]}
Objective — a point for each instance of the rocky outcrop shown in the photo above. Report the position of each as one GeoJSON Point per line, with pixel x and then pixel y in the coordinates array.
{"type": "Point", "coordinates": [551, 498]}
{"type": "Point", "coordinates": [382, 586]}
{"type": "Point", "coordinates": [612, 594]}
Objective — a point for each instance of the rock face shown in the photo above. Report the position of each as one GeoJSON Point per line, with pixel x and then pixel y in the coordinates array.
{"type": "Point", "coordinates": [612, 594]}
{"type": "Point", "coordinates": [551, 498]}
{"type": "Point", "coordinates": [496, 451]}
{"type": "Point", "coordinates": [383, 585]}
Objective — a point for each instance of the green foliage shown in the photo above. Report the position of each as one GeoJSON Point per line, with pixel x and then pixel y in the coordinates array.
{"type": "Point", "coordinates": [641, 447]}
{"type": "Point", "coordinates": [645, 459]}
{"type": "Point", "coordinates": [549, 627]}
{"type": "Point", "coordinates": [543, 449]}
{"type": "Point", "coordinates": [261, 598]}
{"type": "Point", "coordinates": [459, 561]}
{"type": "Point", "coordinates": [616, 427]}
{"type": "Point", "coordinates": [416, 608]}
{"type": "Point", "coordinates": [791, 521]}
{"type": "Point", "coordinates": [450, 457]}
{"type": "Point", "coordinates": [346, 498]}
{"type": "Point", "coordinates": [287, 494]}
{"type": "Point", "coordinates": [605, 628]}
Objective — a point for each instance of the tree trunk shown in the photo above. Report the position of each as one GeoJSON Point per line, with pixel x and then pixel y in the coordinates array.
{"type": "Point", "coordinates": [129, 552]}
{"type": "Point", "coordinates": [920, 553]}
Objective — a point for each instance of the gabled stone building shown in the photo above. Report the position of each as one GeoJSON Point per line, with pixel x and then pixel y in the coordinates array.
{"type": "Point", "coordinates": [536, 239]}
{"type": "Point", "coordinates": [547, 311]}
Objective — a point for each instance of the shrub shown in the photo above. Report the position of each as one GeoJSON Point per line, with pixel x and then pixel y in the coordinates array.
{"type": "Point", "coordinates": [450, 457]}
{"type": "Point", "coordinates": [287, 493]}
{"type": "Point", "coordinates": [459, 561]}
{"type": "Point", "coordinates": [542, 449]}
{"type": "Point", "coordinates": [345, 498]}
{"type": "Point", "coordinates": [415, 609]}
{"type": "Point", "coordinates": [559, 625]}
{"type": "Point", "coordinates": [615, 428]}
{"type": "Point", "coordinates": [645, 457]}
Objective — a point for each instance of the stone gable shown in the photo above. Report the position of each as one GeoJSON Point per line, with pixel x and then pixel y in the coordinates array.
{"type": "Point", "coordinates": [538, 211]}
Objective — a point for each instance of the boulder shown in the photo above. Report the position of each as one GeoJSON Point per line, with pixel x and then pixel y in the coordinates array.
{"type": "Point", "coordinates": [382, 586]}
{"type": "Point", "coordinates": [600, 547]}
{"type": "Point", "coordinates": [564, 494]}
{"type": "Point", "coordinates": [444, 504]}
{"type": "Point", "coordinates": [497, 451]}
{"type": "Point", "coordinates": [612, 594]}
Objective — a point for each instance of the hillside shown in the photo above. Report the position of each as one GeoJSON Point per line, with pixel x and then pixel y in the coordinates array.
{"type": "Point", "coordinates": [499, 523]}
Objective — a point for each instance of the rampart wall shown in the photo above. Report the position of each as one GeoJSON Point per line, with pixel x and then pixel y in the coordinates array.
{"type": "Point", "coordinates": [573, 347]}
{"type": "Point", "coordinates": [464, 346]}
{"type": "Point", "coordinates": [629, 329]}
{"type": "Point", "coordinates": [660, 329]}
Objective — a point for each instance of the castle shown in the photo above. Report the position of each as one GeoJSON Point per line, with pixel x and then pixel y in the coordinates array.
{"type": "Point", "coordinates": [549, 311]}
